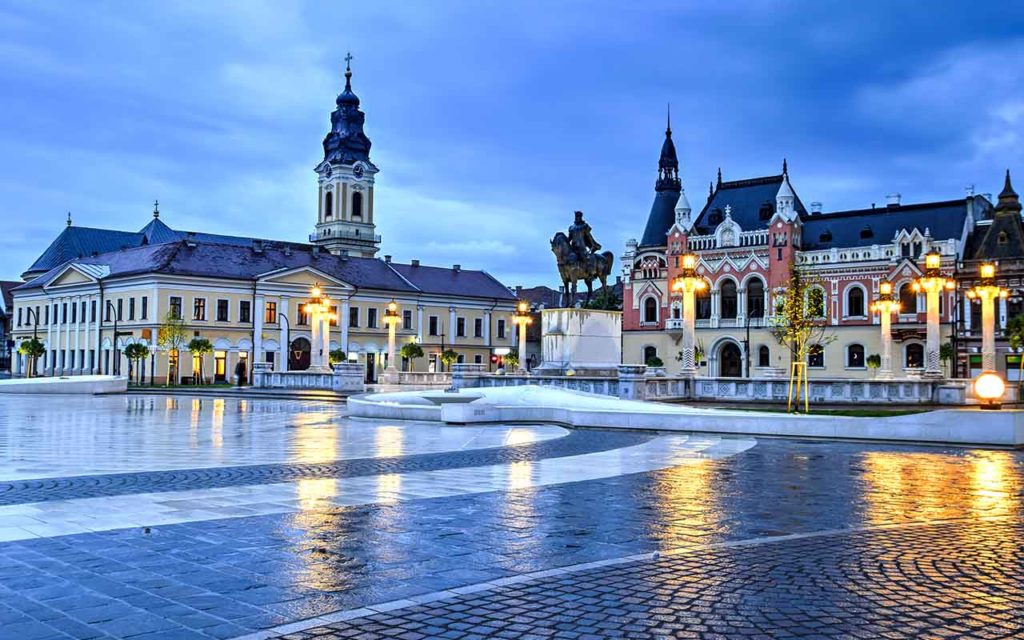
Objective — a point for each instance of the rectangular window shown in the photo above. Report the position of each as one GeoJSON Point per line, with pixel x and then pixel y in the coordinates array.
{"type": "Point", "coordinates": [270, 313]}
{"type": "Point", "coordinates": [222, 310]}
{"type": "Point", "coordinates": [199, 308]}
{"type": "Point", "coordinates": [478, 328]}
{"type": "Point", "coordinates": [64, 313]}
{"type": "Point", "coordinates": [82, 311]}
{"type": "Point", "coordinates": [92, 311]}
{"type": "Point", "coordinates": [406, 319]}
{"type": "Point", "coordinates": [145, 307]}
{"type": "Point", "coordinates": [334, 315]}
{"type": "Point", "coordinates": [301, 317]}
{"type": "Point", "coordinates": [245, 311]}
{"type": "Point", "coordinates": [1013, 368]}
{"type": "Point", "coordinates": [106, 311]}
{"type": "Point", "coordinates": [432, 325]}
{"type": "Point", "coordinates": [19, 316]}
{"type": "Point", "coordinates": [175, 308]}
{"type": "Point", "coordinates": [478, 359]}
{"type": "Point", "coordinates": [501, 328]}
{"type": "Point", "coordinates": [131, 308]}
{"type": "Point", "coordinates": [371, 318]}
{"type": "Point", "coordinates": [120, 309]}
{"type": "Point", "coordinates": [47, 315]}
{"type": "Point", "coordinates": [353, 317]}
{"type": "Point", "coordinates": [460, 327]}
{"type": "Point", "coordinates": [74, 313]}
{"type": "Point", "coordinates": [816, 356]}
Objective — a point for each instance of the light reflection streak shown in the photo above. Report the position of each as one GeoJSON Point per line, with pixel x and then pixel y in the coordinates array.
{"type": "Point", "coordinates": [217, 424]}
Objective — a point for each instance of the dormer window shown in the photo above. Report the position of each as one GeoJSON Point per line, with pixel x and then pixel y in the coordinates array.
{"type": "Point", "coordinates": [766, 211]}
{"type": "Point", "coordinates": [1002, 238]}
{"type": "Point", "coordinates": [866, 232]}
{"type": "Point", "coordinates": [826, 236]}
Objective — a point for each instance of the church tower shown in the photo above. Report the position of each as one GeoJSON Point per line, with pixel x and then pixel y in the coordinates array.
{"type": "Point", "coordinates": [345, 220]}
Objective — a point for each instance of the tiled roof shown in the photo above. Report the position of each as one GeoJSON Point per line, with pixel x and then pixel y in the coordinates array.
{"type": "Point", "coordinates": [746, 199]}
{"type": "Point", "coordinates": [660, 219]}
{"type": "Point", "coordinates": [81, 242]}
{"type": "Point", "coordinates": [865, 227]}
{"type": "Point", "coordinates": [448, 281]}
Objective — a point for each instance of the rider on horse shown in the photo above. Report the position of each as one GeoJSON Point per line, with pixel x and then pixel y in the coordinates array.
{"type": "Point", "coordinates": [582, 239]}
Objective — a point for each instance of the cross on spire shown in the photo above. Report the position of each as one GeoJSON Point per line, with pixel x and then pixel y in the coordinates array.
{"type": "Point", "coordinates": [156, 208]}
{"type": "Point", "coordinates": [348, 71]}
{"type": "Point", "coordinates": [69, 218]}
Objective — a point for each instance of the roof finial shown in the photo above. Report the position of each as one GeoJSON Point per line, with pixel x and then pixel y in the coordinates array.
{"type": "Point", "coordinates": [711, 189]}
{"type": "Point", "coordinates": [719, 176]}
{"type": "Point", "coordinates": [156, 208]}
{"type": "Point", "coordinates": [69, 218]}
{"type": "Point", "coordinates": [1008, 198]}
{"type": "Point", "coordinates": [785, 168]}
{"type": "Point", "coordinates": [348, 71]}
{"type": "Point", "coordinates": [668, 121]}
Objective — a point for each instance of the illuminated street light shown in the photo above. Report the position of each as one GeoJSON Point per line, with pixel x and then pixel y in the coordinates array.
{"type": "Point", "coordinates": [688, 283]}
{"type": "Point", "coordinates": [988, 292]}
{"type": "Point", "coordinates": [391, 318]}
{"type": "Point", "coordinates": [989, 387]}
{"type": "Point", "coordinates": [885, 306]}
{"type": "Point", "coordinates": [318, 308]}
{"type": "Point", "coordinates": [932, 282]}
{"type": "Point", "coordinates": [522, 318]}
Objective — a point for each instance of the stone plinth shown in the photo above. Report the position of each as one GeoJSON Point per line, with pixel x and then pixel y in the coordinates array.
{"type": "Point", "coordinates": [581, 341]}
{"type": "Point", "coordinates": [346, 377]}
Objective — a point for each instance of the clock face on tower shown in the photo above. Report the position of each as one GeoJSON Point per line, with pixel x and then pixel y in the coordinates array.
{"type": "Point", "coordinates": [357, 171]}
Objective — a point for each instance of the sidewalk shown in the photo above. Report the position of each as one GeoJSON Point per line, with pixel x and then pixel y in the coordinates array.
{"type": "Point", "coordinates": [243, 392]}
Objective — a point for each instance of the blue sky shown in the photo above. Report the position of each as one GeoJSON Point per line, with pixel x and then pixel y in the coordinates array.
{"type": "Point", "coordinates": [491, 121]}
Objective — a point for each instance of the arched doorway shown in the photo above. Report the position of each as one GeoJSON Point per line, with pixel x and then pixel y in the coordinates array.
{"type": "Point", "coordinates": [730, 361]}
{"type": "Point", "coordinates": [298, 355]}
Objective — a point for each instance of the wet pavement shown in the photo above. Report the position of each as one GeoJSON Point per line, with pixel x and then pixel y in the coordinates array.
{"type": "Point", "coordinates": [883, 541]}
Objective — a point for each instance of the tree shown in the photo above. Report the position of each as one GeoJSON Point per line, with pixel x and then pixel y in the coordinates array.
{"type": "Point", "coordinates": [336, 356]}
{"type": "Point", "coordinates": [32, 349]}
{"type": "Point", "coordinates": [200, 347]}
{"type": "Point", "coordinates": [449, 357]}
{"type": "Point", "coordinates": [511, 360]}
{"type": "Point", "coordinates": [605, 299]}
{"type": "Point", "coordinates": [135, 352]}
{"type": "Point", "coordinates": [171, 337]}
{"type": "Point", "coordinates": [410, 351]}
{"type": "Point", "coordinates": [1014, 332]}
{"type": "Point", "coordinates": [799, 325]}
{"type": "Point", "coordinates": [946, 353]}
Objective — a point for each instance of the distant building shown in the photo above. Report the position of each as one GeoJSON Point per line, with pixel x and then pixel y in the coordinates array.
{"type": "Point", "coordinates": [246, 294]}
{"type": "Point", "coordinates": [6, 319]}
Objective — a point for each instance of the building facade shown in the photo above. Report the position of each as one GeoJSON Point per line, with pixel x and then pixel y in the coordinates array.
{"type": "Point", "coordinates": [749, 235]}
{"type": "Point", "coordinates": [94, 291]}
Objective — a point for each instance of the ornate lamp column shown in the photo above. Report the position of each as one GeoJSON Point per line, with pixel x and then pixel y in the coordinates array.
{"type": "Point", "coordinates": [988, 292]}
{"type": "Point", "coordinates": [318, 307]}
{"type": "Point", "coordinates": [688, 284]}
{"type": "Point", "coordinates": [885, 306]}
{"type": "Point", "coordinates": [932, 283]}
{"type": "Point", "coordinates": [391, 321]}
{"type": "Point", "coordinates": [521, 318]}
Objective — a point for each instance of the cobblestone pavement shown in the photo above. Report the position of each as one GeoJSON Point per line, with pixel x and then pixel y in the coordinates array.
{"type": "Point", "coordinates": [236, 576]}
{"type": "Point", "coordinates": [940, 581]}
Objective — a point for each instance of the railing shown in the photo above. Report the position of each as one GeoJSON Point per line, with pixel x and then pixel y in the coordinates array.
{"type": "Point", "coordinates": [345, 235]}
{"type": "Point", "coordinates": [698, 243]}
{"type": "Point", "coordinates": [424, 377]}
{"type": "Point", "coordinates": [673, 324]}
{"type": "Point", "coordinates": [754, 238]}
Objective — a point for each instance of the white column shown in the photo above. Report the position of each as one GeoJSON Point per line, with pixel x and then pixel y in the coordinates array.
{"type": "Point", "coordinates": [715, 308]}
{"type": "Point", "coordinates": [522, 347]}
{"type": "Point", "coordinates": [885, 316]}
{"type": "Point", "coordinates": [78, 368]}
{"type": "Point", "coordinates": [988, 329]}
{"type": "Point", "coordinates": [487, 328]}
{"type": "Point", "coordinates": [257, 329]}
{"type": "Point", "coordinates": [451, 325]}
{"type": "Point", "coordinates": [15, 362]}
{"type": "Point", "coordinates": [48, 359]}
{"type": "Point", "coordinates": [741, 304]}
{"type": "Point", "coordinates": [86, 368]}
{"type": "Point", "coordinates": [932, 362]}
{"type": "Point", "coordinates": [391, 372]}
{"type": "Point", "coordinates": [66, 369]}
{"type": "Point", "coordinates": [419, 323]}
{"type": "Point", "coordinates": [283, 355]}
{"type": "Point", "coordinates": [343, 323]}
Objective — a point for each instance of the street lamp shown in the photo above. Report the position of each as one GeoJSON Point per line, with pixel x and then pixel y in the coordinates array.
{"type": "Point", "coordinates": [932, 282]}
{"type": "Point", "coordinates": [989, 387]}
{"type": "Point", "coordinates": [112, 310]}
{"type": "Point", "coordinates": [885, 306]}
{"type": "Point", "coordinates": [688, 283]}
{"type": "Point", "coordinates": [522, 318]}
{"type": "Point", "coordinates": [391, 322]}
{"type": "Point", "coordinates": [987, 291]}
{"type": "Point", "coordinates": [319, 309]}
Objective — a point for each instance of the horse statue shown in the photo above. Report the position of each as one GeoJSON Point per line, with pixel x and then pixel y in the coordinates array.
{"type": "Point", "coordinates": [578, 259]}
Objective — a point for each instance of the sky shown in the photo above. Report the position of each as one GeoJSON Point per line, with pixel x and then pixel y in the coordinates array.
{"type": "Point", "coordinates": [491, 121]}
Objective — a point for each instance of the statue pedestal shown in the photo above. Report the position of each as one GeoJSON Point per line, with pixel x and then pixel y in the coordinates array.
{"type": "Point", "coordinates": [582, 342]}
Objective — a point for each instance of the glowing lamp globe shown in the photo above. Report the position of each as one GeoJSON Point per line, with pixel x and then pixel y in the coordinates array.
{"type": "Point", "coordinates": [932, 260]}
{"type": "Point", "coordinates": [988, 270]}
{"type": "Point", "coordinates": [885, 288]}
{"type": "Point", "coordinates": [689, 261]}
{"type": "Point", "coordinates": [989, 387]}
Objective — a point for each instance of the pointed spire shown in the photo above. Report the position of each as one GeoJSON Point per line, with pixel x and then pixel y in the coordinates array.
{"type": "Point", "coordinates": [668, 121]}
{"type": "Point", "coordinates": [785, 168]}
{"type": "Point", "coordinates": [69, 218]}
{"type": "Point", "coordinates": [156, 208]}
{"type": "Point", "coordinates": [719, 176]}
{"type": "Point", "coordinates": [1008, 199]}
{"type": "Point", "coordinates": [711, 190]}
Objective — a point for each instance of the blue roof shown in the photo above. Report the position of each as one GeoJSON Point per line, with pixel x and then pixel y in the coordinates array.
{"type": "Point", "coordinates": [660, 219]}
{"type": "Point", "coordinates": [479, 284]}
{"type": "Point", "coordinates": [81, 242]}
{"type": "Point", "coordinates": [865, 227]}
{"type": "Point", "coordinates": [746, 198]}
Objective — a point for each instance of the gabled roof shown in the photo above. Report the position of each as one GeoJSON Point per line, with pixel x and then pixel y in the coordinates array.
{"type": "Point", "coordinates": [80, 242]}
{"type": "Point", "coordinates": [442, 280]}
{"type": "Point", "coordinates": [866, 227]}
{"type": "Point", "coordinates": [745, 199]}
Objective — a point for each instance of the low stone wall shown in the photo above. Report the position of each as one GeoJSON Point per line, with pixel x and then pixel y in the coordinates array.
{"type": "Point", "coordinates": [344, 378]}
{"type": "Point", "coordinates": [424, 377]}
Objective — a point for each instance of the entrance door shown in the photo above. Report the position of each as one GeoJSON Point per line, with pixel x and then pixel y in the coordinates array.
{"type": "Point", "coordinates": [371, 368]}
{"type": "Point", "coordinates": [298, 355]}
{"type": "Point", "coordinates": [220, 366]}
{"type": "Point", "coordinates": [730, 361]}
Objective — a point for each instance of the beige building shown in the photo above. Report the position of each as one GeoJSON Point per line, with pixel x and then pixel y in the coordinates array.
{"type": "Point", "coordinates": [94, 291]}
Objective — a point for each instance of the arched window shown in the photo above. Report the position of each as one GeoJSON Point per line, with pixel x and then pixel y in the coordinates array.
{"type": "Point", "coordinates": [649, 354]}
{"type": "Point", "coordinates": [855, 301]}
{"type": "Point", "coordinates": [755, 298]}
{"type": "Point", "coordinates": [650, 309]}
{"type": "Point", "coordinates": [816, 356]}
{"type": "Point", "coordinates": [816, 302]}
{"type": "Point", "coordinates": [329, 205]}
{"type": "Point", "coordinates": [763, 356]}
{"type": "Point", "coordinates": [702, 302]}
{"type": "Point", "coordinates": [914, 356]}
{"type": "Point", "coordinates": [357, 205]}
{"type": "Point", "coordinates": [855, 356]}
{"type": "Point", "coordinates": [908, 299]}
{"type": "Point", "coordinates": [728, 299]}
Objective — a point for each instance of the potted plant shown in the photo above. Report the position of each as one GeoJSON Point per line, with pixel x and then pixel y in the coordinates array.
{"type": "Point", "coordinates": [336, 356]}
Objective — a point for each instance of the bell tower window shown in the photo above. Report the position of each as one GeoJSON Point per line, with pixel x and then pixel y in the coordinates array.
{"type": "Point", "coordinates": [357, 205]}
{"type": "Point", "coordinates": [329, 205]}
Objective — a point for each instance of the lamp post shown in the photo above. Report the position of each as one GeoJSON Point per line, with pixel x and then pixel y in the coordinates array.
{"type": "Point", "coordinates": [932, 283]}
{"type": "Point", "coordinates": [319, 309]}
{"type": "Point", "coordinates": [521, 318]}
{"type": "Point", "coordinates": [117, 358]}
{"type": "Point", "coordinates": [688, 284]}
{"type": "Point", "coordinates": [885, 306]}
{"type": "Point", "coordinates": [988, 292]}
{"type": "Point", "coordinates": [391, 317]}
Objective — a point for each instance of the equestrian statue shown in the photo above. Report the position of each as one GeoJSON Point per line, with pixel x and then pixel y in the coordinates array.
{"type": "Point", "coordinates": [578, 259]}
